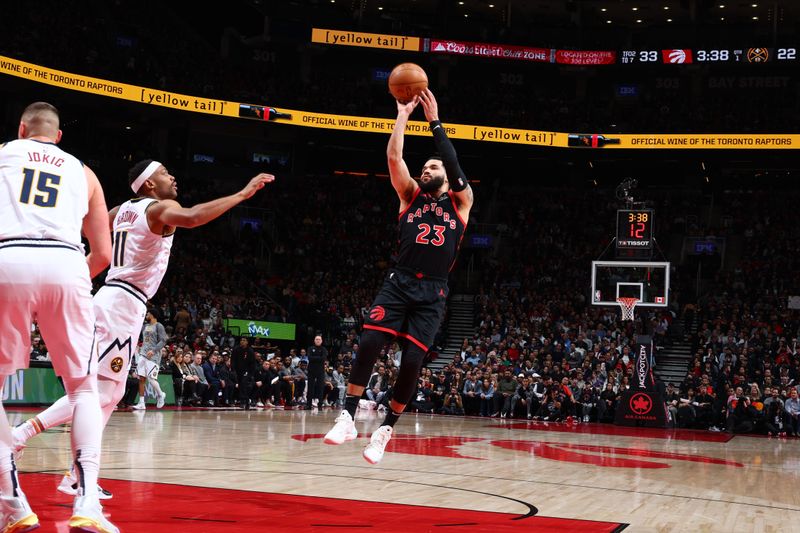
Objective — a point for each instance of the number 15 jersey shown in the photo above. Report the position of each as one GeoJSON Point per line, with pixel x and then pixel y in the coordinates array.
{"type": "Point", "coordinates": [139, 257]}
{"type": "Point", "coordinates": [43, 192]}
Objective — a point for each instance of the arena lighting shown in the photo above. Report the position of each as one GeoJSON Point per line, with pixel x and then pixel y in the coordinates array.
{"type": "Point", "coordinates": [634, 9]}
{"type": "Point", "coordinates": [669, 20]}
{"type": "Point", "coordinates": [666, 8]}
{"type": "Point", "coordinates": [603, 9]}
{"type": "Point", "coordinates": [350, 173]}
{"type": "Point", "coordinates": [608, 22]}
{"type": "Point", "coordinates": [638, 21]}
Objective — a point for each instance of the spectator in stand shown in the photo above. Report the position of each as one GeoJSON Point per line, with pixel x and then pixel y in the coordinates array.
{"type": "Point", "coordinates": [439, 389]}
{"type": "Point", "coordinates": [201, 385]}
{"type": "Point", "coordinates": [263, 390]}
{"type": "Point", "coordinates": [339, 380]}
{"type": "Point", "coordinates": [470, 394]}
{"type": "Point", "coordinates": [227, 381]}
{"type": "Point", "coordinates": [587, 399]}
{"type": "Point", "coordinates": [792, 408]}
{"type": "Point", "coordinates": [211, 370]}
{"type": "Point", "coordinates": [422, 402]}
{"type": "Point", "coordinates": [774, 413]}
{"type": "Point", "coordinates": [300, 382]}
{"type": "Point", "coordinates": [607, 406]}
{"type": "Point", "coordinates": [377, 385]}
{"type": "Point", "coordinates": [453, 404]}
{"type": "Point", "coordinates": [503, 395]}
{"type": "Point", "coordinates": [486, 394]}
{"type": "Point", "coordinates": [524, 396]}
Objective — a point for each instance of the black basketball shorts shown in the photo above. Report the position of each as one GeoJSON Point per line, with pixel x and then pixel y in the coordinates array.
{"type": "Point", "coordinates": [409, 306]}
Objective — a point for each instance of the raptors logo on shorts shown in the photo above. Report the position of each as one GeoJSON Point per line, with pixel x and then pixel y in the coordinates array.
{"type": "Point", "coordinates": [377, 313]}
{"type": "Point", "coordinates": [116, 364]}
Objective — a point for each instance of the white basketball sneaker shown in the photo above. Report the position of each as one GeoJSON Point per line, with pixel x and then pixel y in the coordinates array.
{"type": "Point", "coordinates": [139, 406]}
{"type": "Point", "coordinates": [161, 398]}
{"type": "Point", "coordinates": [343, 431]}
{"type": "Point", "coordinates": [69, 486]}
{"type": "Point", "coordinates": [87, 515]}
{"type": "Point", "coordinates": [373, 453]}
{"type": "Point", "coordinates": [17, 516]}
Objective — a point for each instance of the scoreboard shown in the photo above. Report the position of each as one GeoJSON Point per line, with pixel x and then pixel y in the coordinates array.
{"type": "Point", "coordinates": [635, 229]}
{"type": "Point", "coordinates": [685, 56]}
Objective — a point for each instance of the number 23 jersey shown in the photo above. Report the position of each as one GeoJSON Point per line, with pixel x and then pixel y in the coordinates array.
{"type": "Point", "coordinates": [430, 233]}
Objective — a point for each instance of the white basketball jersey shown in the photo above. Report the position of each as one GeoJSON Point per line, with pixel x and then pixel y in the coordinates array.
{"type": "Point", "coordinates": [43, 192]}
{"type": "Point", "coordinates": [139, 256]}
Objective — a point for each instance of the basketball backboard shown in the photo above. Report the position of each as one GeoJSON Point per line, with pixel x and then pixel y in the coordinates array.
{"type": "Point", "coordinates": [646, 280]}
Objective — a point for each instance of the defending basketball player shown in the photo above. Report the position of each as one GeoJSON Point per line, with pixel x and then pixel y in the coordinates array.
{"type": "Point", "coordinates": [47, 197]}
{"type": "Point", "coordinates": [410, 305]}
{"type": "Point", "coordinates": [143, 230]}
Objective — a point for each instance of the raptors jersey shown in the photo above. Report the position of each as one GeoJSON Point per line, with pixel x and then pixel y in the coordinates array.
{"type": "Point", "coordinates": [43, 192]}
{"type": "Point", "coordinates": [430, 233]}
{"type": "Point", "coordinates": [139, 256]}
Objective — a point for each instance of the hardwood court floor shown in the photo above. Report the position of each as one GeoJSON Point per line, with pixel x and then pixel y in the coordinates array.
{"type": "Point", "coordinates": [269, 471]}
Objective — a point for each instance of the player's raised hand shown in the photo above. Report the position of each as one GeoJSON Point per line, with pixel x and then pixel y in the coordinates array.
{"type": "Point", "coordinates": [408, 107]}
{"type": "Point", "coordinates": [429, 105]}
{"type": "Point", "coordinates": [256, 184]}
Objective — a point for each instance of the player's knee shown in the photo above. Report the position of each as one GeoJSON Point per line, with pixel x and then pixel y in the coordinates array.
{"type": "Point", "coordinates": [79, 386]}
{"type": "Point", "coordinates": [110, 391]}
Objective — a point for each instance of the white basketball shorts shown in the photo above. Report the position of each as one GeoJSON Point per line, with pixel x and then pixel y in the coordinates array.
{"type": "Point", "coordinates": [120, 312]}
{"type": "Point", "coordinates": [46, 281]}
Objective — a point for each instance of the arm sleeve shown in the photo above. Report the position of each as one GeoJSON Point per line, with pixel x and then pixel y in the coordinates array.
{"type": "Point", "coordinates": [456, 177]}
{"type": "Point", "coordinates": [161, 335]}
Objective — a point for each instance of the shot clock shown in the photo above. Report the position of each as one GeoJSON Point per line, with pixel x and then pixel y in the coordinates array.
{"type": "Point", "coordinates": [635, 229]}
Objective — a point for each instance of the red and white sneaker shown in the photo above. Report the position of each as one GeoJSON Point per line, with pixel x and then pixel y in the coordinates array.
{"type": "Point", "coordinates": [373, 453]}
{"type": "Point", "coordinates": [343, 431]}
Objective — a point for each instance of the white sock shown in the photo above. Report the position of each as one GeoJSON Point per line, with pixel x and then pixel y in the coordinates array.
{"type": "Point", "coordinates": [9, 482]}
{"type": "Point", "coordinates": [87, 431]}
{"type": "Point", "coordinates": [156, 387]}
{"type": "Point", "coordinates": [55, 415]}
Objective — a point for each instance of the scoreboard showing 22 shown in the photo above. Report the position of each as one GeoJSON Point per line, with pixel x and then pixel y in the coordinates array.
{"type": "Point", "coordinates": [635, 229]}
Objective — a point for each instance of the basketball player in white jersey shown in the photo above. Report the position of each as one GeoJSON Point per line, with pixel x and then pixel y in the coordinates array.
{"type": "Point", "coordinates": [143, 229]}
{"type": "Point", "coordinates": [47, 197]}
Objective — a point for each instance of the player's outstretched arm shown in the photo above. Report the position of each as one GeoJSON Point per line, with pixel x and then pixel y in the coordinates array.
{"type": "Point", "coordinates": [402, 181]}
{"type": "Point", "coordinates": [170, 212]}
{"type": "Point", "coordinates": [95, 226]}
{"type": "Point", "coordinates": [455, 176]}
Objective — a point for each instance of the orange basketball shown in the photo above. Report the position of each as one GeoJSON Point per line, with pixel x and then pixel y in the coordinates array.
{"type": "Point", "coordinates": [406, 81]}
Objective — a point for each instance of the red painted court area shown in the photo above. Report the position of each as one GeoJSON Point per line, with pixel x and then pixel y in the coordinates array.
{"type": "Point", "coordinates": [158, 507]}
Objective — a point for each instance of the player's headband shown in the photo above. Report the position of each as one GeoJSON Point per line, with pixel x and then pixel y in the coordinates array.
{"type": "Point", "coordinates": [146, 173]}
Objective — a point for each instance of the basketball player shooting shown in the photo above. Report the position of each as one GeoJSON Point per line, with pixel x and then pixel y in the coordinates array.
{"type": "Point", "coordinates": [143, 230]}
{"type": "Point", "coordinates": [410, 305]}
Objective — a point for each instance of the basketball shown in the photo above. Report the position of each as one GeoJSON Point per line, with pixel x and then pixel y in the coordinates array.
{"type": "Point", "coordinates": [406, 81]}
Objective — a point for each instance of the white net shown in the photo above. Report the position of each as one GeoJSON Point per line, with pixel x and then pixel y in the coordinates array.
{"type": "Point", "coordinates": [627, 305]}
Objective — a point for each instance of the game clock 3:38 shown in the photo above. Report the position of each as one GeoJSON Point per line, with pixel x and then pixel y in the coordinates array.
{"type": "Point", "coordinates": [635, 229]}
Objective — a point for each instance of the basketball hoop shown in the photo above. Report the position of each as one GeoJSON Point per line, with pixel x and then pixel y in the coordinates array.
{"type": "Point", "coordinates": [626, 305]}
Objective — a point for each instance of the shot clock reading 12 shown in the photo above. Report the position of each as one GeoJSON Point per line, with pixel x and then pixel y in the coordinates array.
{"type": "Point", "coordinates": [635, 228]}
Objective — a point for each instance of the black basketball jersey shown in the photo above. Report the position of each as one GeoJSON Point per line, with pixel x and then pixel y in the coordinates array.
{"type": "Point", "coordinates": [430, 233]}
